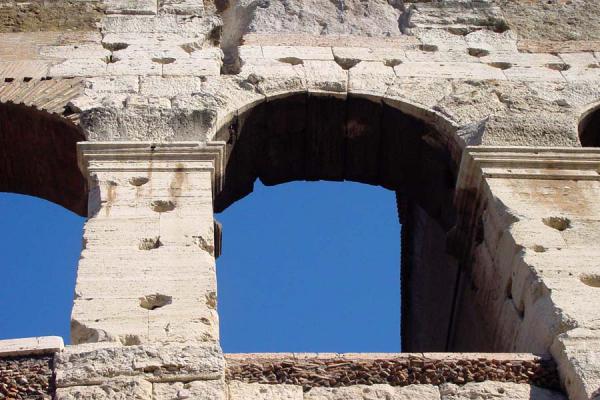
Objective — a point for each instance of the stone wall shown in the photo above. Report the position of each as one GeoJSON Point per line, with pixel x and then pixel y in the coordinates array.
{"type": "Point", "coordinates": [26, 377]}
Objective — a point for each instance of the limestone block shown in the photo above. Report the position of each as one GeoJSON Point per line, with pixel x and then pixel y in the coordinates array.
{"type": "Point", "coordinates": [440, 56]}
{"type": "Point", "coordinates": [374, 392]}
{"type": "Point", "coordinates": [530, 73]}
{"type": "Point", "coordinates": [370, 77]}
{"type": "Point", "coordinates": [79, 67]}
{"type": "Point", "coordinates": [171, 86]}
{"type": "Point", "coordinates": [112, 84]}
{"type": "Point", "coordinates": [299, 52]}
{"type": "Point", "coordinates": [134, 67]}
{"type": "Point", "coordinates": [165, 23]}
{"type": "Point", "coordinates": [92, 364]}
{"type": "Point", "coordinates": [197, 390]}
{"type": "Point", "coordinates": [116, 389]}
{"type": "Point", "coordinates": [355, 54]}
{"type": "Point", "coordinates": [256, 391]}
{"type": "Point", "coordinates": [325, 76]}
{"type": "Point", "coordinates": [577, 353]}
{"type": "Point", "coordinates": [575, 59]}
{"type": "Point", "coordinates": [497, 390]}
{"type": "Point", "coordinates": [590, 73]}
{"type": "Point", "coordinates": [522, 59]}
{"type": "Point", "coordinates": [463, 70]}
{"type": "Point", "coordinates": [34, 345]}
{"type": "Point", "coordinates": [505, 42]}
{"type": "Point", "coordinates": [273, 78]}
{"type": "Point", "coordinates": [192, 67]}
{"type": "Point", "coordinates": [135, 7]}
{"type": "Point", "coordinates": [246, 52]}
{"type": "Point", "coordinates": [85, 50]}
{"type": "Point", "coordinates": [182, 7]}
{"type": "Point", "coordinates": [425, 91]}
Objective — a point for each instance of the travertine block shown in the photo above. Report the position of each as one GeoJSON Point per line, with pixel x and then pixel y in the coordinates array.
{"type": "Point", "coordinates": [116, 389]}
{"type": "Point", "coordinates": [374, 392]}
{"type": "Point", "coordinates": [93, 364]}
{"type": "Point", "coordinates": [197, 390]}
{"type": "Point", "coordinates": [325, 76]}
{"type": "Point", "coordinates": [192, 67]}
{"type": "Point", "coordinates": [135, 7]}
{"type": "Point", "coordinates": [256, 391]}
{"type": "Point", "coordinates": [34, 345]}
{"type": "Point", "coordinates": [497, 390]}
{"type": "Point", "coordinates": [300, 52]}
{"type": "Point", "coordinates": [448, 70]}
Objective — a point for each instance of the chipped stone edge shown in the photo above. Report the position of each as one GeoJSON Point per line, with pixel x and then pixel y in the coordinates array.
{"type": "Point", "coordinates": [40, 345]}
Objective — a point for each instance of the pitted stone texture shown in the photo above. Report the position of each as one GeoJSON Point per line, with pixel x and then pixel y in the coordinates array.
{"type": "Point", "coordinates": [197, 390]}
{"type": "Point", "coordinates": [348, 17]}
{"type": "Point", "coordinates": [375, 392]}
{"type": "Point", "coordinates": [256, 391]}
{"type": "Point", "coordinates": [117, 389]}
{"type": "Point", "coordinates": [496, 390]}
{"type": "Point", "coordinates": [93, 364]}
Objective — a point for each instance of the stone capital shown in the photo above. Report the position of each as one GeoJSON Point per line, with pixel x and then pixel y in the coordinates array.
{"type": "Point", "coordinates": [94, 157]}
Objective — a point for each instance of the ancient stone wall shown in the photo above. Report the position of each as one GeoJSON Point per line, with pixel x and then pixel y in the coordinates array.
{"type": "Point", "coordinates": [182, 104]}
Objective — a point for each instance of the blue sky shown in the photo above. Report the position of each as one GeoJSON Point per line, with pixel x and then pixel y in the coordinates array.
{"type": "Point", "coordinates": [306, 266]}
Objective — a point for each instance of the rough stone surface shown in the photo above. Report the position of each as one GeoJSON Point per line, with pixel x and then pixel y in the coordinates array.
{"type": "Point", "coordinates": [26, 377]}
{"type": "Point", "coordinates": [375, 392]}
{"type": "Point", "coordinates": [498, 252]}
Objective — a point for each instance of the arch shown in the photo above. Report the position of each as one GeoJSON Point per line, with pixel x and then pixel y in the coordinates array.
{"type": "Point", "coordinates": [411, 151]}
{"type": "Point", "coordinates": [38, 156]}
{"type": "Point", "coordinates": [589, 127]}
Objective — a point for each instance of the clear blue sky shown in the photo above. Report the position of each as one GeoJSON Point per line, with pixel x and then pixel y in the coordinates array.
{"type": "Point", "coordinates": [305, 267]}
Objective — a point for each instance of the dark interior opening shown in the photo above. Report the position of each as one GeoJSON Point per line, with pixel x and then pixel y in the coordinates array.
{"type": "Point", "coordinates": [38, 157]}
{"type": "Point", "coordinates": [589, 129]}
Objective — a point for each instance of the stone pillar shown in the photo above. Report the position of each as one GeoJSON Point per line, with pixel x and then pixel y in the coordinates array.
{"type": "Point", "coordinates": [528, 235]}
{"type": "Point", "coordinates": [147, 269]}
{"type": "Point", "coordinates": [144, 321]}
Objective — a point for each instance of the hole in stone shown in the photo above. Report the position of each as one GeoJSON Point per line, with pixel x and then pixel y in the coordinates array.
{"type": "Point", "coordinates": [138, 180]}
{"type": "Point", "coordinates": [593, 66]}
{"type": "Point", "coordinates": [211, 300]}
{"type": "Point", "coordinates": [110, 59]}
{"type": "Point", "coordinates": [508, 289]}
{"type": "Point", "coordinates": [346, 63]}
{"type": "Point", "coordinates": [500, 65]}
{"type": "Point", "coordinates": [130, 340]}
{"type": "Point", "coordinates": [27, 79]}
{"type": "Point", "coordinates": [154, 301]}
{"type": "Point", "coordinates": [539, 248]}
{"type": "Point", "coordinates": [558, 223]}
{"type": "Point", "coordinates": [162, 205]}
{"type": "Point", "coordinates": [459, 30]}
{"type": "Point", "coordinates": [291, 60]}
{"type": "Point", "coordinates": [475, 52]}
{"type": "Point", "coordinates": [150, 243]}
{"type": "Point", "coordinates": [7, 80]}
{"type": "Point", "coordinates": [500, 26]}
{"type": "Point", "coordinates": [392, 62]}
{"type": "Point", "coordinates": [592, 280]}
{"type": "Point", "coordinates": [558, 66]}
{"type": "Point", "coordinates": [428, 47]}
{"type": "Point", "coordinates": [163, 60]}
{"type": "Point", "coordinates": [189, 47]}
{"type": "Point", "coordinates": [115, 46]}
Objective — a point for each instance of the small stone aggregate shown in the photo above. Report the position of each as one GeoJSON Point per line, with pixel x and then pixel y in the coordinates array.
{"type": "Point", "coordinates": [26, 378]}
{"type": "Point", "coordinates": [396, 372]}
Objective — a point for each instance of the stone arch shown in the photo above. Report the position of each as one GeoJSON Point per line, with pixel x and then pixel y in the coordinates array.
{"type": "Point", "coordinates": [38, 156]}
{"type": "Point", "coordinates": [372, 140]}
{"type": "Point", "coordinates": [589, 127]}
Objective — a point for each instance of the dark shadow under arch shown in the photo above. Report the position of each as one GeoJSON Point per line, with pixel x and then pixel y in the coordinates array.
{"type": "Point", "coordinates": [303, 137]}
{"type": "Point", "coordinates": [589, 129]}
{"type": "Point", "coordinates": [38, 156]}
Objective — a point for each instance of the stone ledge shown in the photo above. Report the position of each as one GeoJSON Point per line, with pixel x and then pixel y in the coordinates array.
{"type": "Point", "coordinates": [31, 346]}
{"type": "Point", "coordinates": [340, 370]}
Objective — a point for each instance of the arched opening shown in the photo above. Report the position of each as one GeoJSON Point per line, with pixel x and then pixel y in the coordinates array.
{"type": "Point", "coordinates": [38, 156]}
{"type": "Point", "coordinates": [589, 129]}
{"type": "Point", "coordinates": [310, 138]}
{"type": "Point", "coordinates": [311, 267]}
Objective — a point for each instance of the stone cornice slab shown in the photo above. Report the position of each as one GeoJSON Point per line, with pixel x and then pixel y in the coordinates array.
{"type": "Point", "coordinates": [143, 156]}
